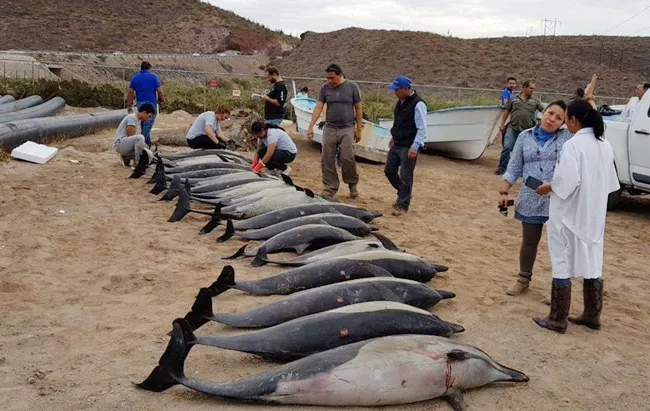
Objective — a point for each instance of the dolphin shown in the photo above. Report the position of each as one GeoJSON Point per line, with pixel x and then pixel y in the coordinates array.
{"type": "Point", "coordinates": [317, 300]}
{"type": "Point", "coordinates": [351, 224]}
{"type": "Point", "coordinates": [391, 370]}
{"type": "Point", "coordinates": [297, 279]}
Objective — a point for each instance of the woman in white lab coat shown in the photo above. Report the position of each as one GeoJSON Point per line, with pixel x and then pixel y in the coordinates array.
{"type": "Point", "coordinates": [582, 181]}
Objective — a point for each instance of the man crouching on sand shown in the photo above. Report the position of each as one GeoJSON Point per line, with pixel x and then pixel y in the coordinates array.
{"type": "Point", "coordinates": [408, 132]}
{"type": "Point", "coordinates": [129, 141]}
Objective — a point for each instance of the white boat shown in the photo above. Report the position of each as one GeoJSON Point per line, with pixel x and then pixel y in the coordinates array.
{"type": "Point", "coordinates": [461, 132]}
{"type": "Point", "coordinates": [374, 138]}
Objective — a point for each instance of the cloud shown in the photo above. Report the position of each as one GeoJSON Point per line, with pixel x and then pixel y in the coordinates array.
{"type": "Point", "coordinates": [462, 18]}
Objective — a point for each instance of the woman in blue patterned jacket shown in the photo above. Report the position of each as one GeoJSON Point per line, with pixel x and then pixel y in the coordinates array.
{"type": "Point", "coordinates": [535, 154]}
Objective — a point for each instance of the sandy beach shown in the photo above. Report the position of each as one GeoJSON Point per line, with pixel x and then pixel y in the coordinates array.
{"type": "Point", "coordinates": [92, 275]}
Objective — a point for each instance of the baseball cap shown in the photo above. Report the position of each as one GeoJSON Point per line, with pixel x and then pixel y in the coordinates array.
{"type": "Point", "coordinates": [400, 82]}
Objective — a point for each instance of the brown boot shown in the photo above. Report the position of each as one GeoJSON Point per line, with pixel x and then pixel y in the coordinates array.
{"type": "Point", "coordinates": [521, 285]}
{"type": "Point", "coordinates": [593, 294]}
{"type": "Point", "coordinates": [560, 303]}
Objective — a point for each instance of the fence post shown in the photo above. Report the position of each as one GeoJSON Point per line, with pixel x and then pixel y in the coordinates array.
{"type": "Point", "coordinates": [123, 85]}
{"type": "Point", "coordinates": [205, 92]}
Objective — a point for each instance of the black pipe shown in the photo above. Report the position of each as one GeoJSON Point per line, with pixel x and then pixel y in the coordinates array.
{"type": "Point", "coordinates": [21, 104]}
{"type": "Point", "coordinates": [47, 109]}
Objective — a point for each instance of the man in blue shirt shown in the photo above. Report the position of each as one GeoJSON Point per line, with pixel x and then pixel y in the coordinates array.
{"type": "Point", "coordinates": [408, 132]}
{"type": "Point", "coordinates": [506, 94]}
{"type": "Point", "coordinates": [145, 88]}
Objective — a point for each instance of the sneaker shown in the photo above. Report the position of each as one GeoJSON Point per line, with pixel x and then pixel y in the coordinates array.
{"type": "Point", "coordinates": [517, 288]}
{"type": "Point", "coordinates": [399, 212]}
{"type": "Point", "coordinates": [287, 171]}
{"type": "Point", "coordinates": [327, 196]}
{"type": "Point", "coordinates": [354, 193]}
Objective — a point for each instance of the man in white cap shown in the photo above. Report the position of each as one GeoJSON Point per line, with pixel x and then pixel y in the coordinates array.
{"type": "Point", "coordinates": [408, 132]}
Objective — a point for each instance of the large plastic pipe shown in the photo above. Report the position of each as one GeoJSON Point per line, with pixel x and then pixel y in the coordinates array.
{"type": "Point", "coordinates": [21, 104]}
{"type": "Point", "coordinates": [15, 133]}
{"type": "Point", "coordinates": [6, 99]}
{"type": "Point", "coordinates": [47, 109]}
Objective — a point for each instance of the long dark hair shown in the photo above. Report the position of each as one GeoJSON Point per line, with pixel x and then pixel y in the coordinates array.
{"type": "Point", "coordinates": [587, 116]}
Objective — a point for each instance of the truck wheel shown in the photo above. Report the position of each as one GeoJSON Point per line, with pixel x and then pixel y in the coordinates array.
{"type": "Point", "coordinates": [614, 199]}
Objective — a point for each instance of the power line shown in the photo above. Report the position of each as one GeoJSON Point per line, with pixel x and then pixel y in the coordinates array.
{"type": "Point", "coordinates": [619, 25]}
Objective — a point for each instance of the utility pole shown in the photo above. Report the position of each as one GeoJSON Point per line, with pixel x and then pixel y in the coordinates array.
{"type": "Point", "coordinates": [555, 22]}
{"type": "Point", "coordinates": [545, 22]}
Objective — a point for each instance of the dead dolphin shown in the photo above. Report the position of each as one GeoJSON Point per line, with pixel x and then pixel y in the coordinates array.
{"type": "Point", "coordinates": [390, 370]}
{"type": "Point", "coordinates": [297, 279]}
{"type": "Point", "coordinates": [299, 239]}
{"type": "Point", "coordinates": [330, 329]}
{"type": "Point", "coordinates": [317, 300]}
{"type": "Point", "coordinates": [350, 224]}
{"type": "Point", "coordinates": [333, 251]}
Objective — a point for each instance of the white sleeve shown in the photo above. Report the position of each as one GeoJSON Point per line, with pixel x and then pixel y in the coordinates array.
{"type": "Point", "coordinates": [132, 121]}
{"type": "Point", "coordinates": [566, 177]}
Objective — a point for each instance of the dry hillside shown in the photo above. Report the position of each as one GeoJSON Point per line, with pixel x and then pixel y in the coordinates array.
{"type": "Point", "coordinates": [558, 64]}
{"type": "Point", "coordinates": [155, 26]}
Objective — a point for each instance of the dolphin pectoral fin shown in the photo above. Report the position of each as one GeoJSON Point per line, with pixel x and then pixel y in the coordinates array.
{"type": "Point", "coordinates": [455, 399]}
{"type": "Point", "coordinates": [300, 248]}
{"type": "Point", "coordinates": [225, 281]}
{"type": "Point", "coordinates": [386, 242]}
{"type": "Point", "coordinates": [457, 355]}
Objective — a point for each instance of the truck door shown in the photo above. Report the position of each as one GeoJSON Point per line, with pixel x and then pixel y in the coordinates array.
{"type": "Point", "coordinates": [639, 144]}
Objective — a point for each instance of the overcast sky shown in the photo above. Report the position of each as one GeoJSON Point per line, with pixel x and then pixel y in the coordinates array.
{"type": "Point", "coordinates": [462, 18]}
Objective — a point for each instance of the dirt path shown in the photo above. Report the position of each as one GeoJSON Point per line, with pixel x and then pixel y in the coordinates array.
{"type": "Point", "coordinates": [91, 276]}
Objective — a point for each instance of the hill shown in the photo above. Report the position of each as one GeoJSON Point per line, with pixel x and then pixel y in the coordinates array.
{"type": "Point", "coordinates": [154, 26]}
{"type": "Point", "coordinates": [557, 64]}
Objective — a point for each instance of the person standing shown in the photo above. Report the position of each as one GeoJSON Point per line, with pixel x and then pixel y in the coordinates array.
{"type": "Point", "coordinates": [129, 141]}
{"type": "Point", "coordinates": [205, 132]}
{"type": "Point", "coordinates": [276, 99]}
{"type": "Point", "coordinates": [506, 94]}
{"type": "Point", "coordinates": [343, 126]}
{"type": "Point", "coordinates": [582, 181]}
{"type": "Point", "coordinates": [407, 137]}
{"type": "Point", "coordinates": [145, 88]}
{"type": "Point", "coordinates": [521, 110]}
{"type": "Point", "coordinates": [275, 150]}
{"type": "Point", "coordinates": [534, 155]}
{"type": "Point", "coordinates": [630, 108]}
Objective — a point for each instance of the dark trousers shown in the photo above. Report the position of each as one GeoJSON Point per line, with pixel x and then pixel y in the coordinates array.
{"type": "Point", "coordinates": [399, 171]}
{"type": "Point", "coordinates": [278, 160]}
{"type": "Point", "coordinates": [203, 141]}
{"type": "Point", "coordinates": [531, 234]}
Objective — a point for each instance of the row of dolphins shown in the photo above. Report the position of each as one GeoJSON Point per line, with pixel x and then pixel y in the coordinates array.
{"type": "Point", "coordinates": [354, 326]}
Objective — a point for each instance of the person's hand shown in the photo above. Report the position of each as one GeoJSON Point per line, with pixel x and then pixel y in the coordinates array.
{"type": "Point", "coordinates": [310, 132]}
{"type": "Point", "coordinates": [503, 201]}
{"type": "Point", "coordinates": [412, 153]}
{"type": "Point", "coordinates": [259, 166]}
{"type": "Point", "coordinates": [129, 110]}
{"type": "Point", "coordinates": [357, 134]}
{"type": "Point", "coordinates": [544, 189]}
{"type": "Point", "coordinates": [390, 143]}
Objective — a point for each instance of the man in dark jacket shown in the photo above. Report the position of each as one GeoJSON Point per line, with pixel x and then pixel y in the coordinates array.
{"type": "Point", "coordinates": [408, 132]}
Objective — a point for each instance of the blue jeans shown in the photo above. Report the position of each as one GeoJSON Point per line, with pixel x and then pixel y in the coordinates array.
{"type": "Point", "coordinates": [509, 140]}
{"type": "Point", "coordinates": [148, 125]}
{"type": "Point", "coordinates": [275, 122]}
{"type": "Point", "coordinates": [399, 171]}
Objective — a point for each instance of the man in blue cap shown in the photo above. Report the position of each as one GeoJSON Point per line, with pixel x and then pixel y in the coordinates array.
{"type": "Point", "coordinates": [145, 89]}
{"type": "Point", "coordinates": [408, 132]}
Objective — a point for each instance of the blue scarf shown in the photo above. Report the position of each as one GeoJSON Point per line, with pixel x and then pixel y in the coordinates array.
{"type": "Point", "coordinates": [542, 136]}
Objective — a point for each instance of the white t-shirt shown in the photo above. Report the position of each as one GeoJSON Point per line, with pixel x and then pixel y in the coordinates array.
{"type": "Point", "coordinates": [630, 109]}
{"type": "Point", "coordinates": [129, 120]}
{"type": "Point", "coordinates": [198, 127]}
{"type": "Point", "coordinates": [282, 139]}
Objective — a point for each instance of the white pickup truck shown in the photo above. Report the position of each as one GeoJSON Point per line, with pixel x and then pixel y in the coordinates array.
{"type": "Point", "coordinates": [631, 144]}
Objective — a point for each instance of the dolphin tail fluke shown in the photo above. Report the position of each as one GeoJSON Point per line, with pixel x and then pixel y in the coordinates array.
{"type": "Point", "coordinates": [386, 242]}
{"type": "Point", "coordinates": [215, 220]}
{"type": "Point", "coordinates": [239, 253]}
{"type": "Point", "coordinates": [174, 189]}
{"type": "Point", "coordinates": [201, 311]}
{"type": "Point", "coordinates": [230, 231]}
{"type": "Point", "coordinates": [182, 206]}
{"type": "Point", "coordinates": [446, 295]}
{"type": "Point", "coordinates": [225, 281]}
{"type": "Point", "coordinates": [261, 258]}
{"type": "Point", "coordinates": [159, 179]}
{"type": "Point", "coordinates": [170, 369]}
{"type": "Point", "coordinates": [141, 167]}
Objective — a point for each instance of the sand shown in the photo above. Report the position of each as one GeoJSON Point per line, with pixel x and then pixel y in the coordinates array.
{"type": "Point", "coordinates": [92, 275]}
